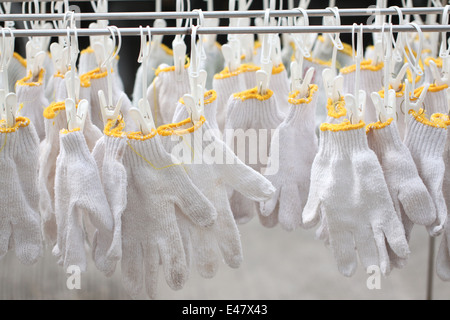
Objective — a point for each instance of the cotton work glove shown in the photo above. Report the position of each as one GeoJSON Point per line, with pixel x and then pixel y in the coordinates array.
{"type": "Point", "coordinates": [212, 174]}
{"type": "Point", "coordinates": [55, 90]}
{"type": "Point", "coordinates": [19, 214]}
{"type": "Point", "coordinates": [281, 86]}
{"type": "Point", "coordinates": [293, 148]}
{"type": "Point", "coordinates": [426, 140]}
{"type": "Point", "coordinates": [31, 97]}
{"type": "Point", "coordinates": [157, 183]}
{"type": "Point", "coordinates": [164, 92]}
{"type": "Point", "coordinates": [251, 113]}
{"type": "Point", "coordinates": [349, 193]}
{"type": "Point", "coordinates": [79, 196]}
{"type": "Point", "coordinates": [213, 63]}
{"type": "Point", "coordinates": [411, 199]}
{"type": "Point", "coordinates": [17, 70]}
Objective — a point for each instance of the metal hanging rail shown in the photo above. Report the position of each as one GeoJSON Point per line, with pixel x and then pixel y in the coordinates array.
{"type": "Point", "coordinates": [218, 14]}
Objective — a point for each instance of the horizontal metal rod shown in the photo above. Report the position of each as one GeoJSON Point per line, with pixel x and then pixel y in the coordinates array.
{"type": "Point", "coordinates": [217, 14]}
{"type": "Point", "coordinates": [226, 30]}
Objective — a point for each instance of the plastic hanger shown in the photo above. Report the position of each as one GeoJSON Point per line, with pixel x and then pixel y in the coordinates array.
{"type": "Point", "coordinates": [231, 51]}
{"type": "Point", "coordinates": [263, 75]}
{"type": "Point", "coordinates": [443, 51]}
{"type": "Point", "coordinates": [300, 82]}
{"type": "Point", "coordinates": [441, 77]}
{"type": "Point", "coordinates": [142, 115]}
{"type": "Point", "coordinates": [414, 66]}
{"type": "Point", "coordinates": [8, 100]}
{"type": "Point", "coordinates": [178, 45]}
{"type": "Point", "coordinates": [386, 108]}
{"type": "Point", "coordinates": [39, 7]}
{"type": "Point", "coordinates": [5, 8]}
{"type": "Point", "coordinates": [194, 101]}
{"type": "Point", "coordinates": [356, 102]}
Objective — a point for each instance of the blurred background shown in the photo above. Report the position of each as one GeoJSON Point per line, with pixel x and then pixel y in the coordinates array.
{"type": "Point", "coordinates": [277, 264]}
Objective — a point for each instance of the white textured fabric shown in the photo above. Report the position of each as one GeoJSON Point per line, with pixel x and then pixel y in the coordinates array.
{"type": "Point", "coordinates": [435, 100]}
{"type": "Point", "coordinates": [31, 94]}
{"type": "Point", "coordinates": [165, 91]}
{"type": "Point", "coordinates": [225, 84]}
{"type": "Point", "coordinates": [55, 89]}
{"type": "Point", "coordinates": [156, 185]}
{"type": "Point", "coordinates": [336, 111]}
{"type": "Point", "coordinates": [213, 63]}
{"type": "Point", "coordinates": [252, 114]}
{"type": "Point", "coordinates": [162, 55]}
{"type": "Point", "coordinates": [19, 215]}
{"type": "Point", "coordinates": [212, 167]}
{"type": "Point", "coordinates": [426, 142]}
{"type": "Point", "coordinates": [349, 193]}
{"type": "Point", "coordinates": [17, 70]}
{"type": "Point", "coordinates": [323, 50]}
{"type": "Point", "coordinates": [78, 196]}
{"type": "Point", "coordinates": [293, 148]}
{"type": "Point", "coordinates": [412, 202]}
{"type": "Point", "coordinates": [280, 85]}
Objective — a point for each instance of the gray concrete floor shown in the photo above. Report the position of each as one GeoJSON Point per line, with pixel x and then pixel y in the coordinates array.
{"type": "Point", "coordinates": [277, 265]}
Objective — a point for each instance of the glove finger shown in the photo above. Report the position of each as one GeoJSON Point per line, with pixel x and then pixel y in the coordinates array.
{"type": "Point", "coordinates": [132, 266]}
{"type": "Point", "coordinates": [183, 225]}
{"type": "Point", "coordinates": [384, 254]}
{"type": "Point", "coordinates": [441, 213]}
{"type": "Point", "coordinates": [5, 235]}
{"type": "Point", "coordinates": [270, 221]}
{"type": "Point", "coordinates": [243, 209]}
{"type": "Point", "coordinates": [74, 253]}
{"type": "Point", "coordinates": [228, 237]}
{"type": "Point", "coordinates": [443, 260]}
{"type": "Point", "coordinates": [367, 248]}
{"type": "Point", "coordinates": [416, 202]}
{"type": "Point", "coordinates": [151, 263]}
{"type": "Point", "coordinates": [99, 154]}
{"type": "Point", "coordinates": [291, 207]}
{"type": "Point", "coordinates": [27, 236]}
{"type": "Point", "coordinates": [343, 246]}
{"type": "Point", "coordinates": [395, 236]}
{"type": "Point", "coordinates": [205, 251]}
{"type": "Point", "coordinates": [267, 207]}
{"type": "Point", "coordinates": [171, 250]}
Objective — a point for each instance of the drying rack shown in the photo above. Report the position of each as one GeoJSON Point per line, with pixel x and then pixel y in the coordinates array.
{"type": "Point", "coordinates": [232, 30]}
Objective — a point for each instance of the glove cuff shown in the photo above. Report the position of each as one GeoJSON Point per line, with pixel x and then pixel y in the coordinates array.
{"type": "Point", "coordinates": [19, 139]}
{"type": "Point", "coordinates": [383, 136]}
{"type": "Point", "coordinates": [74, 144]}
{"type": "Point", "coordinates": [342, 139]}
{"type": "Point", "coordinates": [303, 109]}
{"type": "Point", "coordinates": [210, 101]}
{"type": "Point", "coordinates": [426, 137]}
{"type": "Point", "coordinates": [435, 100]}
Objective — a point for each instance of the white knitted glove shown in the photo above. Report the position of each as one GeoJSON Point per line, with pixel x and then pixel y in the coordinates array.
{"type": "Point", "coordinates": [55, 90]}
{"type": "Point", "coordinates": [412, 202]}
{"type": "Point", "coordinates": [161, 55]}
{"type": "Point", "coordinates": [249, 110]}
{"type": "Point", "coordinates": [435, 101]}
{"type": "Point", "coordinates": [156, 184]}
{"type": "Point", "coordinates": [31, 95]}
{"type": "Point", "coordinates": [213, 63]}
{"type": "Point", "coordinates": [97, 80]}
{"type": "Point", "coordinates": [293, 146]}
{"type": "Point", "coordinates": [349, 191]}
{"type": "Point", "coordinates": [225, 84]}
{"type": "Point", "coordinates": [19, 215]}
{"type": "Point", "coordinates": [78, 196]}
{"type": "Point", "coordinates": [17, 70]}
{"type": "Point", "coordinates": [212, 174]}
{"type": "Point", "coordinates": [371, 80]}
{"type": "Point", "coordinates": [426, 140]}
{"type": "Point", "coordinates": [281, 86]}
{"type": "Point", "coordinates": [336, 111]}
{"type": "Point", "coordinates": [164, 92]}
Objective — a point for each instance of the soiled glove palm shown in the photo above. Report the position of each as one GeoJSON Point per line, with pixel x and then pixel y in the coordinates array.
{"type": "Point", "coordinates": [78, 196]}
{"type": "Point", "coordinates": [19, 215]}
{"type": "Point", "coordinates": [425, 140]}
{"type": "Point", "coordinates": [156, 184]}
{"type": "Point", "coordinates": [31, 95]}
{"type": "Point", "coordinates": [212, 167]}
{"type": "Point", "coordinates": [293, 148]}
{"type": "Point", "coordinates": [412, 202]}
{"type": "Point", "coordinates": [162, 55]}
{"type": "Point", "coordinates": [349, 191]}
{"type": "Point", "coordinates": [257, 115]}
{"type": "Point", "coordinates": [164, 92]}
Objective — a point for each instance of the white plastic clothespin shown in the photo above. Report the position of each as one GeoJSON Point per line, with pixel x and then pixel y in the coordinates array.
{"type": "Point", "coordinates": [60, 57]}
{"type": "Point", "coordinates": [142, 115]}
{"type": "Point", "coordinates": [9, 108]}
{"type": "Point", "coordinates": [8, 100]}
{"type": "Point", "coordinates": [441, 77]}
{"type": "Point", "coordinates": [263, 75]}
{"type": "Point", "coordinates": [76, 117]}
{"type": "Point", "coordinates": [232, 53]}
{"type": "Point", "coordinates": [178, 46]}
{"type": "Point", "coordinates": [356, 102]}
{"type": "Point", "coordinates": [409, 93]}
{"type": "Point", "coordinates": [39, 7]}
{"type": "Point", "coordinates": [101, 6]}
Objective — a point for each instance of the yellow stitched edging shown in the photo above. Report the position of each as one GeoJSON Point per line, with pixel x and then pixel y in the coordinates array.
{"type": "Point", "coordinates": [336, 109]}
{"type": "Point", "coordinates": [53, 109]}
{"type": "Point", "coordinates": [65, 131]}
{"type": "Point", "coordinates": [253, 94]}
{"type": "Point", "coordinates": [19, 58]}
{"type": "Point", "coordinates": [431, 88]}
{"type": "Point", "coordinates": [343, 126]}
{"type": "Point", "coordinates": [312, 89]}
{"type": "Point", "coordinates": [171, 68]}
{"type": "Point", "coordinates": [225, 73]}
{"type": "Point", "coordinates": [85, 79]}
{"type": "Point", "coordinates": [140, 136]}
{"type": "Point", "coordinates": [208, 97]}
{"type": "Point", "coordinates": [23, 81]}
{"type": "Point", "coordinates": [440, 117]}
{"type": "Point", "coordinates": [398, 93]}
{"type": "Point", "coordinates": [347, 49]}
{"type": "Point", "coordinates": [87, 50]}
{"type": "Point", "coordinates": [421, 117]}
{"type": "Point", "coordinates": [247, 67]}
{"type": "Point", "coordinates": [20, 122]}
{"type": "Point", "coordinates": [278, 69]}
{"type": "Point", "coordinates": [257, 45]}
{"type": "Point", "coordinates": [166, 49]}
{"type": "Point", "coordinates": [59, 75]}
{"type": "Point", "coordinates": [171, 129]}
{"type": "Point", "coordinates": [318, 61]}
{"type": "Point", "coordinates": [365, 65]}
{"type": "Point", "coordinates": [378, 125]}
{"type": "Point", "coordinates": [114, 127]}
{"type": "Point", "coordinates": [438, 61]}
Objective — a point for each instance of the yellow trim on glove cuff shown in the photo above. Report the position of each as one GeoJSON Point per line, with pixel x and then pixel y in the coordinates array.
{"type": "Point", "coordinates": [343, 126]}
{"type": "Point", "coordinates": [378, 125]}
